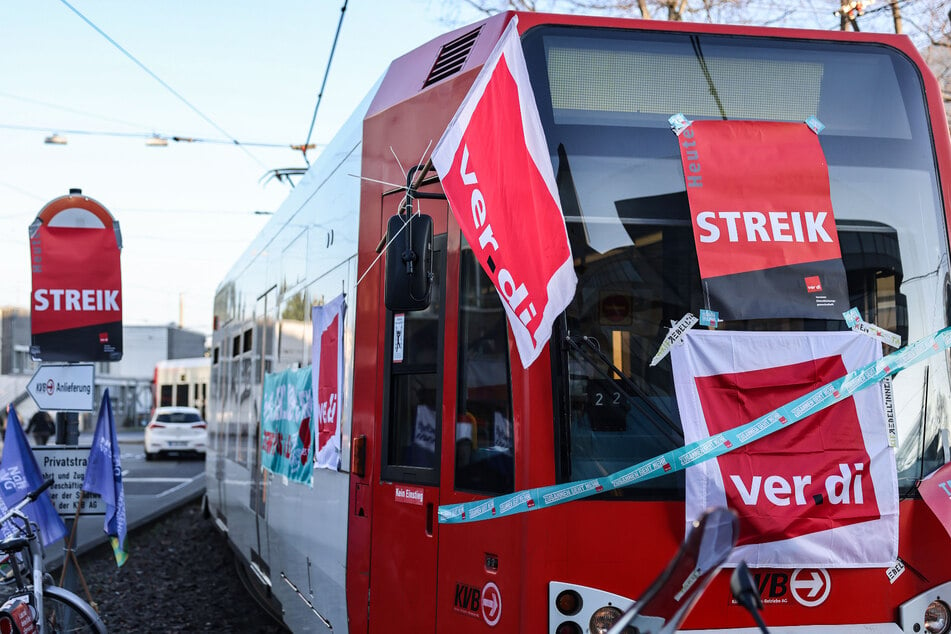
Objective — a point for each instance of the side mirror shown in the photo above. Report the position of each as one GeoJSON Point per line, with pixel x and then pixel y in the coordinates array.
{"type": "Point", "coordinates": [744, 590]}
{"type": "Point", "coordinates": [409, 262]}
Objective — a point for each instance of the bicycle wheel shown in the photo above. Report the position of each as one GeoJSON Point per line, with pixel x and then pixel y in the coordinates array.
{"type": "Point", "coordinates": [63, 612]}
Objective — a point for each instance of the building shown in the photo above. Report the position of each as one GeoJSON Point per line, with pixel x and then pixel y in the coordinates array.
{"type": "Point", "coordinates": [129, 381]}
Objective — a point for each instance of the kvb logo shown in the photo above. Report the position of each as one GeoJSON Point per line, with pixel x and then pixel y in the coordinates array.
{"type": "Point", "coordinates": [467, 599]}
{"type": "Point", "coordinates": [803, 479]}
{"type": "Point", "coordinates": [810, 586]}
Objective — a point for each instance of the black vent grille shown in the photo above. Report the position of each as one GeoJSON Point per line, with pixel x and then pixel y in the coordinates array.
{"type": "Point", "coordinates": [452, 56]}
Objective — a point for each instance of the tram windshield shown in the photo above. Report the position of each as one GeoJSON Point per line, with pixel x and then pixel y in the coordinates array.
{"type": "Point", "coordinates": [605, 97]}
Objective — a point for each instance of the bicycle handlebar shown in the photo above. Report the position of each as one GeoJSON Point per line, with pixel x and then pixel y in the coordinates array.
{"type": "Point", "coordinates": [39, 490]}
{"type": "Point", "coordinates": [30, 497]}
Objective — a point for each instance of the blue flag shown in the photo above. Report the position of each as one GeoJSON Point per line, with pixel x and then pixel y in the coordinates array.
{"type": "Point", "coordinates": [104, 476]}
{"type": "Point", "coordinates": [19, 474]}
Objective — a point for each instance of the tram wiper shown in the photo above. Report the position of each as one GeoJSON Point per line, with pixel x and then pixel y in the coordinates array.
{"type": "Point", "coordinates": [635, 394]}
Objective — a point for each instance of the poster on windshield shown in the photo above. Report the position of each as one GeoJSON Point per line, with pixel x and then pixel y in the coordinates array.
{"type": "Point", "coordinates": [287, 429]}
{"type": "Point", "coordinates": [821, 493]}
{"type": "Point", "coordinates": [762, 220]}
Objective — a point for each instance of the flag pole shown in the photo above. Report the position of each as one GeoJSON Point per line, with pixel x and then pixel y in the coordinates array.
{"type": "Point", "coordinates": [71, 554]}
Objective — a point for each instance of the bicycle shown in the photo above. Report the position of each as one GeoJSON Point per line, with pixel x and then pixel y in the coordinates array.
{"type": "Point", "coordinates": [29, 590]}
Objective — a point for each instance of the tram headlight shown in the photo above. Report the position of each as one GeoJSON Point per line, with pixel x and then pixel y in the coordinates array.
{"type": "Point", "coordinates": [937, 618]}
{"type": "Point", "coordinates": [603, 618]}
{"type": "Point", "coordinates": [568, 602]}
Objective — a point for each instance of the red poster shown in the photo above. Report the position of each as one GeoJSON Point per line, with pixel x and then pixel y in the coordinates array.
{"type": "Point", "coordinates": [762, 220]}
{"type": "Point", "coordinates": [328, 388]}
{"type": "Point", "coordinates": [76, 307]}
{"type": "Point", "coordinates": [496, 172]}
{"type": "Point", "coordinates": [327, 379]}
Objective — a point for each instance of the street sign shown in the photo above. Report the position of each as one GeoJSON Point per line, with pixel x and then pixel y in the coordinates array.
{"type": "Point", "coordinates": [67, 467]}
{"type": "Point", "coordinates": [63, 387]}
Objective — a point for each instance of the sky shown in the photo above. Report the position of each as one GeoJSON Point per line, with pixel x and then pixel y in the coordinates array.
{"type": "Point", "coordinates": [245, 70]}
{"type": "Point", "coordinates": [238, 70]}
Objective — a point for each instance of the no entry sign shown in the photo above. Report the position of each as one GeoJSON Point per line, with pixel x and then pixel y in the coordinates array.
{"type": "Point", "coordinates": [76, 304]}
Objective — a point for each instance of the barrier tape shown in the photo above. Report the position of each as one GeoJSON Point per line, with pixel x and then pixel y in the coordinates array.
{"type": "Point", "coordinates": [704, 449]}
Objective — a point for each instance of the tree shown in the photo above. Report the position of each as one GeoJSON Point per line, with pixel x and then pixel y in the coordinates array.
{"type": "Point", "coordinates": [926, 22]}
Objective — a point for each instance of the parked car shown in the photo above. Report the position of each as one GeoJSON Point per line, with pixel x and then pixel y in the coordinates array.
{"type": "Point", "coordinates": [175, 429]}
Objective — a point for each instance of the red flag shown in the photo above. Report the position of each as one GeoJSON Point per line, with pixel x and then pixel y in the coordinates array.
{"type": "Point", "coordinates": [822, 493]}
{"type": "Point", "coordinates": [496, 171]}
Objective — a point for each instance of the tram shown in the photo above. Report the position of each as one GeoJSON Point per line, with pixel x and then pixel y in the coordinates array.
{"type": "Point", "coordinates": [182, 383]}
{"type": "Point", "coordinates": [436, 408]}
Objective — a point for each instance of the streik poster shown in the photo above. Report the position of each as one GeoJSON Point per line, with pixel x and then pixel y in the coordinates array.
{"type": "Point", "coordinates": [762, 219]}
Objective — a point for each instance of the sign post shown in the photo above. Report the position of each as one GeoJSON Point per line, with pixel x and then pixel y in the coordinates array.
{"type": "Point", "coordinates": [64, 387]}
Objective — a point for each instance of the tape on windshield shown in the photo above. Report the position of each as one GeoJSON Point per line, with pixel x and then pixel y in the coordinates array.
{"type": "Point", "coordinates": [854, 319]}
{"type": "Point", "coordinates": [707, 448]}
{"type": "Point", "coordinates": [677, 331]}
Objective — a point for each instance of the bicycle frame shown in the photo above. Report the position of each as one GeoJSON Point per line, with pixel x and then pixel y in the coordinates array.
{"type": "Point", "coordinates": [32, 543]}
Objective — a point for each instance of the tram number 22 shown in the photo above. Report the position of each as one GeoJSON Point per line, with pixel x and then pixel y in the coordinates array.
{"type": "Point", "coordinates": [600, 399]}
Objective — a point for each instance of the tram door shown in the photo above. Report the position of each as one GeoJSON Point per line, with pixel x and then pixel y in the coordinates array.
{"type": "Point", "coordinates": [266, 318]}
{"type": "Point", "coordinates": [405, 530]}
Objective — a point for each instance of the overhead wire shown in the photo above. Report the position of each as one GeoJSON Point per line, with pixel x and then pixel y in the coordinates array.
{"type": "Point", "coordinates": [320, 95]}
{"type": "Point", "coordinates": [162, 82]}
{"type": "Point", "coordinates": [146, 135]}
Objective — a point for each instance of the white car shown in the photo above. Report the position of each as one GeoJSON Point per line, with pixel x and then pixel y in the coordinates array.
{"type": "Point", "coordinates": [175, 429]}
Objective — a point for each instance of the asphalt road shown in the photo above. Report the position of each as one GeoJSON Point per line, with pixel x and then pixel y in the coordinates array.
{"type": "Point", "coordinates": [151, 490]}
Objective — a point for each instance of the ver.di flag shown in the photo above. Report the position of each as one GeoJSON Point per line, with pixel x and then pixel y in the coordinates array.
{"type": "Point", "coordinates": [19, 474]}
{"type": "Point", "coordinates": [327, 379]}
{"type": "Point", "coordinates": [104, 477]}
{"type": "Point", "coordinates": [496, 171]}
{"type": "Point", "coordinates": [761, 211]}
{"type": "Point", "coordinates": [822, 493]}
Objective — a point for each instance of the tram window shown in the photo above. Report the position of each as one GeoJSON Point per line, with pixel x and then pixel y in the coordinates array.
{"type": "Point", "coordinates": [411, 433]}
{"type": "Point", "coordinates": [165, 396]}
{"type": "Point", "coordinates": [181, 394]}
{"type": "Point", "coordinates": [483, 433]}
{"type": "Point", "coordinates": [414, 437]}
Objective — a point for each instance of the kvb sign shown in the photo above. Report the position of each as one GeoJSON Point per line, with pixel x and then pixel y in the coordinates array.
{"type": "Point", "coordinates": [76, 304]}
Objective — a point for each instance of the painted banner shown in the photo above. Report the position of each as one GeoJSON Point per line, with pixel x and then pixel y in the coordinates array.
{"type": "Point", "coordinates": [327, 379]}
{"type": "Point", "coordinates": [76, 307]}
{"type": "Point", "coordinates": [286, 429]}
{"type": "Point", "coordinates": [762, 220]}
{"type": "Point", "coordinates": [496, 172]}
{"type": "Point", "coordinates": [871, 376]}
{"type": "Point", "coordinates": [820, 494]}
{"type": "Point", "coordinates": [935, 490]}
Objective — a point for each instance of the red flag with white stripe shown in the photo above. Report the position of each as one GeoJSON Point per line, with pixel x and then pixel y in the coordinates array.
{"type": "Point", "coordinates": [821, 493]}
{"type": "Point", "coordinates": [496, 171]}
